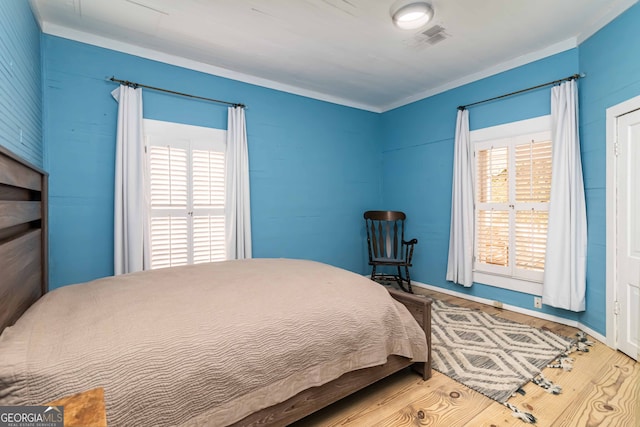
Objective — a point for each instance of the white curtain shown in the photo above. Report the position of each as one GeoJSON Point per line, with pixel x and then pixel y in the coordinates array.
{"type": "Point", "coordinates": [238, 208]}
{"type": "Point", "coordinates": [131, 237]}
{"type": "Point", "coordinates": [461, 237]}
{"type": "Point", "coordinates": [565, 263]}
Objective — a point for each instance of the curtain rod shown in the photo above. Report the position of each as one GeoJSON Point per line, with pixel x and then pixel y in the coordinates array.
{"type": "Point", "coordinates": [573, 77]}
{"type": "Point", "coordinates": [136, 85]}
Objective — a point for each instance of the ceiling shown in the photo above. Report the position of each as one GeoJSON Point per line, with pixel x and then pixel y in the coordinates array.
{"type": "Point", "coordinates": [342, 51]}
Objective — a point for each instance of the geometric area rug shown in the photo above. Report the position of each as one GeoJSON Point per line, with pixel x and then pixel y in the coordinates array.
{"type": "Point", "coordinates": [488, 354]}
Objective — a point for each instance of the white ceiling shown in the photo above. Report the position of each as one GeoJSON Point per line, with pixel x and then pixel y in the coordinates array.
{"type": "Point", "coordinates": [343, 51]}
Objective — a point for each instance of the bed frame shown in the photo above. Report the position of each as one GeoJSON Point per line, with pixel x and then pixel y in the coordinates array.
{"type": "Point", "coordinates": [23, 236]}
{"type": "Point", "coordinates": [23, 279]}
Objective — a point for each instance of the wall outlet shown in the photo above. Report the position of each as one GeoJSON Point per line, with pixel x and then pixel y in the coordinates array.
{"type": "Point", "coordinates": [537, 302]}
{"type": "Point", "coordinates": [497, 304]}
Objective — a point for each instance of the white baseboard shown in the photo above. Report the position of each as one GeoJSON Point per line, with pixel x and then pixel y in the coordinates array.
{"type": "Point", "coordinates": [516, 309]}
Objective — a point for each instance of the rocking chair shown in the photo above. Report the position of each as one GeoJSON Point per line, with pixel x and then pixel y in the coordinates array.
{"type": "Point", "coordinates": [387, 247]}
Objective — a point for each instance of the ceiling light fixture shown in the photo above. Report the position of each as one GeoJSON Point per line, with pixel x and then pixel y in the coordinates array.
{"type": "Point", "coordinates": [413, 15]}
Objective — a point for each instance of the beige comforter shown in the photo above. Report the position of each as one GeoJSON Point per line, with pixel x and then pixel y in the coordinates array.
{"type": "Point", "coordinates": [205, 344]}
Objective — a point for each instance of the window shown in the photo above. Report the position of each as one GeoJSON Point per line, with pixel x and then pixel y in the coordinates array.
{"type": "Point", "coordinates": [186, 170]}
{"type": "Point", "coordinates": [513, 186]}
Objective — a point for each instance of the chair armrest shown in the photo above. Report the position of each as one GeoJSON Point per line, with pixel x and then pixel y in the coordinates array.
{"type": "Point", "coordinates": [408, 251]}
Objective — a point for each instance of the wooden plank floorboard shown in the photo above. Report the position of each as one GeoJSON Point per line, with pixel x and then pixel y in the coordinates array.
{"type": "Point", "coordinates": [448, 404]}
{"type": "Point", "coordinates": [610, 398]}
{"type": "Point", "coordinates": [603, 389]}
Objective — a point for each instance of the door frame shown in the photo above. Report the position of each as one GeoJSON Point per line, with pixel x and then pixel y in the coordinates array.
{"type": "Point", "coordinates": [613, 113]}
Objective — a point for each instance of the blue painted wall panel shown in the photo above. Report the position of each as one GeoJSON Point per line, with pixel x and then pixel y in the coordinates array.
{"type": "Point", "coordinates": [20, 81]}
{"type": "Point", "coordinates": [311, 162]}
{"type": "Point", "coordinates": [611, 62]}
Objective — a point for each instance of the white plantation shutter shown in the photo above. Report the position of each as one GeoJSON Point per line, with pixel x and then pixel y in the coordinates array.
{"type": "Point", "coordinates": [187, 185]}
{"type": "Point", "coordinates": [169, 234]}
{"type": "Point", "coordinates": [168, 166]}
{"type": "Point", "coordinates": [493, 239]}
{"type": "Point", "coordinates": [512, 201]}
{"type": "Point", "coordinates": [532, 192]}
{"type": "Point", "coordinates": [208, 179]}
{"type": "Point", "coordinates": [492, 209]}
{"type": "Point", "coordinates": [493, 175]}
{"type": "Point", "coordinates": [208, 238]}
{"type": "Point", "coordinates": [169, 241]}
{"type": "Point", "coordinates": [531, 239]}
{"type": "Point", "coordinates": [533, 171]}
{"type": "Point", "coordinates": [208, 205]}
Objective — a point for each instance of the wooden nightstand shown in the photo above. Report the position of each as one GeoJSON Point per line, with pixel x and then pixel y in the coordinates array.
{"type": "Point", "coordinates": [84, 409]}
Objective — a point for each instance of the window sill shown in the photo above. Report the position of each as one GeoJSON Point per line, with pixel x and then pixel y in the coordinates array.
{"type": "Point", "coordinates": [510, 283]}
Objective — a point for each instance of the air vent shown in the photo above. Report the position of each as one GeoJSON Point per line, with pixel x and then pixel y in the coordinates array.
{"type": "Point", "coordinates": [436, 39]}
{"type": "Point", "coordinates": [427, 38]}
{"type": "Point", "coordinates": [433, 31]}
{"type": "Point", "coordinates": [435, 34]}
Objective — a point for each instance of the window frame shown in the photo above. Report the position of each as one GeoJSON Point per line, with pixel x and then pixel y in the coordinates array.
{"type": "Point", "coordinates": [510, 135]}
{"type": "Point", "coordinates": [189, 138]}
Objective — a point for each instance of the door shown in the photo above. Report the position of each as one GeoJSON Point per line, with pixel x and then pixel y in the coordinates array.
{"type": "Point", "coordinates": [628, 233]}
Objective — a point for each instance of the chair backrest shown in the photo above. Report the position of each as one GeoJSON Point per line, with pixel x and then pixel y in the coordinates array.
{"type": "Point", "coordinates": [385, 233]}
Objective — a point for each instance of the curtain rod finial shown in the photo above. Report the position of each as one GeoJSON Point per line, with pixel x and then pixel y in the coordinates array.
{"type": "Point", "coordinates": [461, 108]}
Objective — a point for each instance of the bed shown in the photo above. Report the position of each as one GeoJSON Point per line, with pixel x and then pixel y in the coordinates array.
{"type": "Point", "coordinates": [252, 342]}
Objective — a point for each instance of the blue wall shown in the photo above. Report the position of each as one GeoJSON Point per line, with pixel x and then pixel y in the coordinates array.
{"type": "Point", "coordinates": [418, 152]}
{"type": "Point", "coordinates": [311, 162]}
{"type": "Point", "coordinates": [611, 61]}
{"type": "Point", "coordinates": [20, 81]}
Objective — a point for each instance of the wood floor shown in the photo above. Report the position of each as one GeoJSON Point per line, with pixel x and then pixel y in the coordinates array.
{"type": "Point", "coordinates": [603, 389]}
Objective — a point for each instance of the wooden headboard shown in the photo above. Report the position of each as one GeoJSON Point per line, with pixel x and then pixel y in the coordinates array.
{"type": "Point", "coordinates": [23, 236]}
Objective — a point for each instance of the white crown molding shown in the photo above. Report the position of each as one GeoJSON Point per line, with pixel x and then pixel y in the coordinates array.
{"type": "Point", "coordinates": [504, 66]}
{"type": "Point", "coordinates": [516, 309]}
{"type": "Point", "coordinates": [107, 43]}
